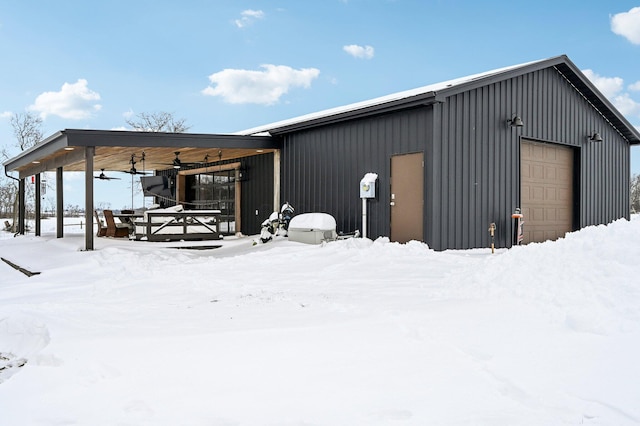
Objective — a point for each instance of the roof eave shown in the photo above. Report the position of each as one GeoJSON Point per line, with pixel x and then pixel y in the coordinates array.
{"type": "Point", "coordinates": [582, 84]}
{"type": "Point", "coordinates": [53, 143]}
{"type": "Point", "coordinates": [599, 101]}
{"type": "Point", "coordinates": [572, 73]}
{"type": "Point", "coordinates": [417, 101]}
{"type": "Point", "coordinates": [67, 146]}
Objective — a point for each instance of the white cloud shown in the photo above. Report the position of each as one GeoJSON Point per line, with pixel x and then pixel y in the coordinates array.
{"type": "Point", "coordinates": [609, 86]}
{"type": "Point", "coordinates": [627, 24]}
{"type": "Point", "coordinates": [6, 114]}
{"type": "Point", "coordinates": [258, 87]}
{"type": "Point", "coordinates": [248, 17]}
{"type": "Point", "coordinates": [613, 89]}
{"type": "Point", "coordinates": [626, 105]}
{"type": "Point", "coordinates": [128, 114]}
{"type": "Point", "coordinates": [364, 52]}
{"type": "Point", "coordinates": [74, 101]}
{"type": "Point", "coordinates": [635, 86]}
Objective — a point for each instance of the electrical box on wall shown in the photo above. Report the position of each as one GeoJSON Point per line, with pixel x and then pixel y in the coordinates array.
{"type": "Point", "coordinates": [368, 186]}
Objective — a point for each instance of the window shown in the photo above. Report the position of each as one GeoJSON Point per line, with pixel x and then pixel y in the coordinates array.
{"type": "Point", "coordinates": [215, 191]}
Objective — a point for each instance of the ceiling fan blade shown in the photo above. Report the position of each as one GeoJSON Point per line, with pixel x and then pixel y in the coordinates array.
{"type": "Point", "coordinates": [102, 176]}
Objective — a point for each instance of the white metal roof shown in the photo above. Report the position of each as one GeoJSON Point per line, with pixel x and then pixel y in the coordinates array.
{"type": "Point", "coordinates": [264, 129]}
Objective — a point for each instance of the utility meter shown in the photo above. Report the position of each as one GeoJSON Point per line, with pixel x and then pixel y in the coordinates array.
{"type": "Point", "coordinates": [368, 186]}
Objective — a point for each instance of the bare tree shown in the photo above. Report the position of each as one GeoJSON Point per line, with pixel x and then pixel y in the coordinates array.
{"type": "Point", "coordinates": [155, 122]}
{"type": "Point", "coordinates": [158, 122]}
{"type": "Point", "coordinates": [635, 193]}
{"type": "Point", "coordinates": [27, 129]}
{"type": "Point", "coordinates": [8, 191]}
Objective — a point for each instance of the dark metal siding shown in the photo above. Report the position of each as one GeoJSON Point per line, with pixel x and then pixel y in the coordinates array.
{"type": "Point", "coordinates": [558, 113]}
{"type": "Point", "coordinates": [479, 156]}
{"type": "Point", "coordinates": [256, 192]}
{"type": "Point", "coordinates": [472, 160]}
{"type": "Point", "coordinates": [322, 168]}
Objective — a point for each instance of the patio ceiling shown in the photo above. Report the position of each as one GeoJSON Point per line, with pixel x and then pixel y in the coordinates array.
{"type": "Point", "coordinates": [113, 150]}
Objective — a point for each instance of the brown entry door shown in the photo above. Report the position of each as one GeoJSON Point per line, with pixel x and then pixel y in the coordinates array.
{"type": "Point", "coordinates": [407, 197]}
{"type": "Point", "coordinates": [547, 190]}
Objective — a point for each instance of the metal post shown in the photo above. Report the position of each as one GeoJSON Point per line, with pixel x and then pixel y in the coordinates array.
{"type": "Point", "coordinates": [88, 196]}
{"type": "Point", "coordinates": [21, 207]}
{"type": "Point", "coordinates": [38, 205]}
{"type": "Point", "coordinates": [59, 204]}
{"type": "Point", "coordinates": [364, 218]}
{"type": "Point", "coordinates": [276, 180]}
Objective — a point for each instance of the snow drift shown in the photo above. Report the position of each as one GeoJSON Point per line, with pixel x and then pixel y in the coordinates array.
{"type": "Point", "coordinates": [348, 332]}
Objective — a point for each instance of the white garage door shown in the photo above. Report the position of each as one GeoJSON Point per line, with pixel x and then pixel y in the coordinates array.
{"type": "Point", "coordinates": [547, 190]}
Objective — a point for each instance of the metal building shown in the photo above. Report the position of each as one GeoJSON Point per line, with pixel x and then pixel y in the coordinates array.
{"type": "Point", "coordinates": [454, 157]}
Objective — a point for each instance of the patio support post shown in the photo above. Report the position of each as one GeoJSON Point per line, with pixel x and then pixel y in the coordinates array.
{"type": "Point", "coordinates": [59, 204]}
{"type": "Point", "coordinates": [276, 180]}
{"type": "Point", "coordinates": [21, 207]}
{"type": "Point", "coordinates": [88, 196]}
{"type": "Point", "coordinates": [38, 204]}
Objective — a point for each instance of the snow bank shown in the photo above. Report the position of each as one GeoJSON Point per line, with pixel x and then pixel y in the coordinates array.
{"type": "Point", "coordinates": [349, 332]}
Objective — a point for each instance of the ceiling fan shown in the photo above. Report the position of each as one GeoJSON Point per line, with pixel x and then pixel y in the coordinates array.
{"type": "Point", "coordinates": [176, 161]}
{"type": "Point", "coordinates": [132, 170]}
{"type": "Point", "coordinates": [102, 176]}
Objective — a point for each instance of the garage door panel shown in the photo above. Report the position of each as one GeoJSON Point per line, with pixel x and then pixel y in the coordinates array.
{"type": "Point", "coordinates": [537, 193]}
{"type": "Point", "coordinates": [550, 194]}
{"type": "Point", "coordinates": [550, 215]}
{"type": "Point", "coordinates": [564, 195]}
{"type": "Point", "coordinates": [546, 190]}
{"type": "Point", "coordinates": [537, 171]}
{"type": "Point", "coordinates": [550, 173]}
{"type": "Point", "coordinates": [564, 215]}
{"type": "Point", "coordinates": [552, 235]}
{"type": "Point", "coordinates": [537, 152]}
{"type": "Point", "coordinates": [537, 215]}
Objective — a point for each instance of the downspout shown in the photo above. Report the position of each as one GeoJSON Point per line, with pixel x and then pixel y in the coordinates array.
{"type": "Point", "coordinates": [7, 175]}
{"type": "Point", "coordinates": [20, 220]}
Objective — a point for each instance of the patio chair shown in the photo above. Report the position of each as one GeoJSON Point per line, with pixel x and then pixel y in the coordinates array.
{"type": "Point", "coordinates": [102, 230]}
{"type": "Point", "coordinates": [114, 229]}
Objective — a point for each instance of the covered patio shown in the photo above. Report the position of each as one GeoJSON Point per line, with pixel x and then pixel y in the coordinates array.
{"type": "Point", "coordinates": [96, 150]}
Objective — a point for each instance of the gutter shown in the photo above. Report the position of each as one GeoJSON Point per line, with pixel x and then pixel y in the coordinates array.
{"type": "Point", "coordinates": [7, 175]}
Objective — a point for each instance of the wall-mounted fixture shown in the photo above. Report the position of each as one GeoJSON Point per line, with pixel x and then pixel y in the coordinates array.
{"type": "Point", "coordinates": [515, 121]}
{"type": "Point", "coordinates": [242, 175]}
{"type": "Point", "coordinates": [595, 137]}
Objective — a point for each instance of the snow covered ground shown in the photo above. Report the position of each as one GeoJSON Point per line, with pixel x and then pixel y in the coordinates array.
{"type": "Point", "coordinates": [354, 332]}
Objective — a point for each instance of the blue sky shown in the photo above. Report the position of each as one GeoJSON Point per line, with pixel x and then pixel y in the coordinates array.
{"type": "Point", "coordinates": [226, 66]}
